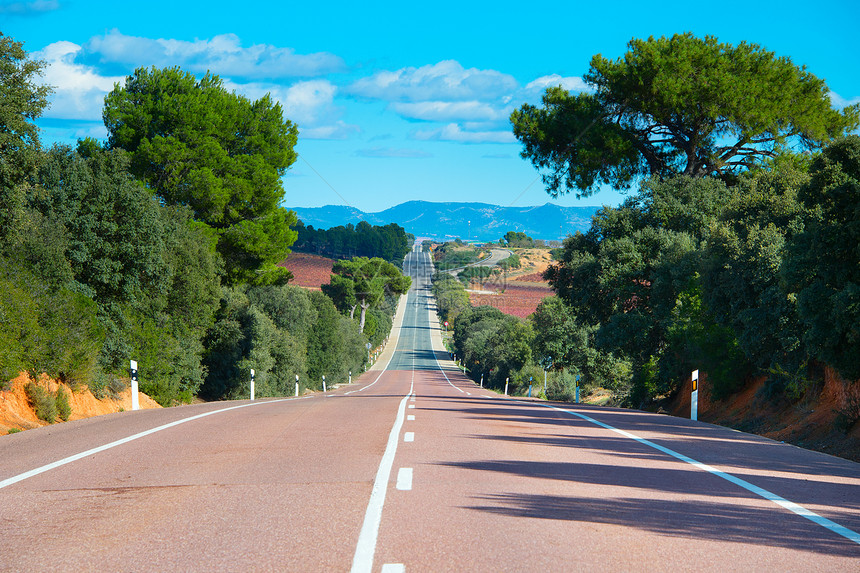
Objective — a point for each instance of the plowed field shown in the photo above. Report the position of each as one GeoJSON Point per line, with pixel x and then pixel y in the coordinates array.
{"type": "Point", "coordinates": [518, 298]}
{"type": "Point", "coordinates": [309, 271]}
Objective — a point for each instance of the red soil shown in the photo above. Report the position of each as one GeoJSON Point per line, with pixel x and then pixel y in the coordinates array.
{"type": "Point", "coordinates": [517, 299]}
{"type": "Point", "coordinates": [309, 271]}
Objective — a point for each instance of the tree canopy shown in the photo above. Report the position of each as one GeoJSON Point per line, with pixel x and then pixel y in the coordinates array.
{"type": "Point", "coordinates": [193, 143]}
{"type": "Point", "coordinates": [364, 282]}
{"type": "Point", "coordinates": [679, 105]}
{"type": "Point", "coordinates": [22, 100]}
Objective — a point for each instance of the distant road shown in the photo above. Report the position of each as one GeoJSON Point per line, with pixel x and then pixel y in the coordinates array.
{"type": "Point", "coordinates": [496, 256]}
{"type": "Point", "coordinates": [415, 468]}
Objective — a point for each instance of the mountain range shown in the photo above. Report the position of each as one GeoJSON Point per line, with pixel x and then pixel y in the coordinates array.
{"type": "Point", "coordinates": [468, 221]}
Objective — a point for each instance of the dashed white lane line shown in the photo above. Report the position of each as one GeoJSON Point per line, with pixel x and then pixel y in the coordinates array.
{"type": "Point", "coordinates": [411, 406]}
{"type": "Point", "coordinates": [362, 561]}
{"type": "Point", "coordinates": [394, 568]}
{"type": "Point", "coordinates": [410, 417]}
{"type": "Point", "coordinates": [404, 479]}
{"type": "Point", "coordinates": [409, 437]}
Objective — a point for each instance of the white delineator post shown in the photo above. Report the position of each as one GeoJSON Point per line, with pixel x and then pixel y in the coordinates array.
{"type": "Point", "coordinates": [297, 384]}
{"type": "Point", "coordinates": [506, 386]}
{"type": "Point", "coordinates": [135, 399]}
{"type": "Point", "coordinates": [694, 396]}
{"type": "Point", "coordinates": [324, 383]}
{"type": "Point", "coordinates": [252, 383]}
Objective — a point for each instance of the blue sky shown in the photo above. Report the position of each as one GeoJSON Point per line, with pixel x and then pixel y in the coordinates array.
{"type": "Point", "coordinates": [398, 101]}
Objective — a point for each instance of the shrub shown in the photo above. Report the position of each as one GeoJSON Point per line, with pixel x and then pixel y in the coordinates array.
{"type": "Point", "coordinates": [42, 401]}
{"type": "Point", "coordinates": [64, 409]}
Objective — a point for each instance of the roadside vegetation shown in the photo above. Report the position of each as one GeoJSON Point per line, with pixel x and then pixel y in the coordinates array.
{"type": "Point", "coordinates": [455, 254]}
{"type": "Point", "coordinates": [735, 254]}
{"type": "Point", "coordinates": [163, 245]}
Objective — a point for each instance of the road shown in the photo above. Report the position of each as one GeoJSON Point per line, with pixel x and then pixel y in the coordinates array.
{"type": "Point", "coordinates": [414, 468]}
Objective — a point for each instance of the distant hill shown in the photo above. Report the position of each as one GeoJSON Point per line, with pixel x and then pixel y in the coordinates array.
{"type": "Point", "coordinates": [469, 221]}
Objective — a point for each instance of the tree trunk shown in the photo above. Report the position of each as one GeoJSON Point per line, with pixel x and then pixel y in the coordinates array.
{"type": "Point", "coordinates": [364, 307]}
{"type": "Point", "coordinates": [352, 312]}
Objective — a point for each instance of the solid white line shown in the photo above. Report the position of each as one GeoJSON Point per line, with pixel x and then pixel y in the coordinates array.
{"type": "Point", "coordinates": [409, 437]}
{"type": "Point", "coordinates": [778, 500]}
{"type": "Point", "coordinates": [15, 479]}
{"type": "Point", "coordinates": [404, 479]}
{"type": "Point", "coordinates": [443, 372]}
{"type": "Point", "coordinates": [362, 561]}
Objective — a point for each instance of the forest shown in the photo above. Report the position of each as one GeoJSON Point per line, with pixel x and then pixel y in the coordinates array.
{"type": "Point", "coordinates": [389, 242]}
{"type": "Point", "coordinates": [162, 245]}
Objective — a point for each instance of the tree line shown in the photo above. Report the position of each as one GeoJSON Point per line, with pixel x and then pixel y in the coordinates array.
{"type": "Point", "coordinates": [161, 244]}
{"type": "Point", "coordinates": [735, 254]}
{"type": "Point", "coordinates": [390, 242]}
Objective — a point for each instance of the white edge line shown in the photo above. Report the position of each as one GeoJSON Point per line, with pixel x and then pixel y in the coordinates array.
{"type": "Point", "coordinates": [443, 373]}
{"type": "Point", "coordinates": [770, 496]}
{"type": "Point", "coordinates": [34, 472]}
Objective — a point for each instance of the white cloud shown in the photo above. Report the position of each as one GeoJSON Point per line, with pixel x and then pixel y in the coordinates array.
{"type": "Point", "coordinates": [453, 132]}
{"type": "Point", "coordinates": [448, 111]}
{"type": "Point", "coordinates": [384, 152]}
{"type": "Point", "coordinates": [444, 81]}
{"type": "Point", "coordinates": [78, 90]}
{"type": "Point", "coordinates": [840, 102]}
{"type": "Point", "coordinates": [308, 104]}
{"type": "Point", "coordinates": [337, 130]}
{"type": "Point", "coordinates": [28, 8]}
{"type": "Point", "coordinates": [573, 84]}
{"type": "Point", "coordinates": [223, 55]}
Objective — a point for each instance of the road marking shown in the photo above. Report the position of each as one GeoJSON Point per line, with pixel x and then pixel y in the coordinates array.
{"type": "Point", "coordinates": [404, 479]}
{"type": "Point", "coordinates": [394, 568]}
{"type": "Point", "coordinates": [778, 500]}
{"type": "Point", "coordinates": [21, 477]}
{"type": "Point", "coordinates": [445, 375]}
{"type": "Point", "coordinates": [409, 437]}
{"type": "Point", "coordinates": [410, 417]}
{"type": "Point", "coordinates": [362, 561]}
{"type": "Point", "coordinates": [411, 406]}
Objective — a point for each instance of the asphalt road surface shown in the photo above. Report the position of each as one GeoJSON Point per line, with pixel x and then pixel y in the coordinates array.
{"type": "Point", "coordinates": [414, 468]}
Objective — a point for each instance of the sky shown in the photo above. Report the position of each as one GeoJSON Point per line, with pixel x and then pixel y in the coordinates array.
{"type": "Point", "coordinates": [399, 101]}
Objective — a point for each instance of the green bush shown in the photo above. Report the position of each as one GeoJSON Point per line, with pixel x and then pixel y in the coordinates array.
{"type": "Point", "coordinates": [44, 404]}
{"type": "Point", "coordinates": [64, 409]}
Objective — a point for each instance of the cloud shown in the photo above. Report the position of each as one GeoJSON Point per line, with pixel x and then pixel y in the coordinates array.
{"type": "Point", "coordinates": [30, 8]}
{"type": "Point", "coordinates": [337, 130]}
{"type": "Point", "coordinates": [573, 84]}
{"type": "Point", "coordinates": [309, 104]}
{"type": "Point", "coordinates": [444, 81]}
{"type": "Point", "coordinates": [78, 90]}
{"type": "Point", "coordinates": [448, 110]}
{"type": "Point", "coordinates": [223, 55]}
{"type": "Point", "coordinates": [840, 102]}
{"type": "Point", "coordinates": [453, 132]}
{"type": "Point", "coordinates": [384, 152]}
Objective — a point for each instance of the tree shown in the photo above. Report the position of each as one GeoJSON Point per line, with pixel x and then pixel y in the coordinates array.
{"type": "Point", "coordinates": [679, 105]}
{"type": "Point", "coordinates": [22, 101]}
{"type": "Point", "coordinates": [364, 283]}
{"type": "Point", "coordinates": [193, 143]}
{"type": "Point", "coordinates": [822, 266]}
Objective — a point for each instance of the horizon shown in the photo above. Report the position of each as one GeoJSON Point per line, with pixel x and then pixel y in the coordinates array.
{"type": "Point", "coordinates": [381, 126]}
